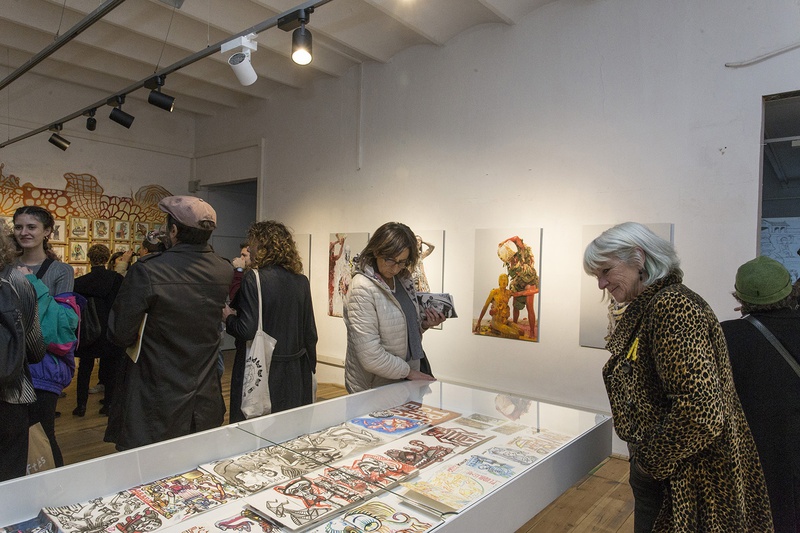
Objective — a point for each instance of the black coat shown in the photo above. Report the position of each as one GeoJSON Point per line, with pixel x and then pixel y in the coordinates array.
{"type": "Point", "coordinates": [770, 394]}
{"type": "Point", "coordinates": [174, 388]}
{"type": "Point", "coordinates": [102, 285]}
{"type": "Point", "coordinates": [289, 318]}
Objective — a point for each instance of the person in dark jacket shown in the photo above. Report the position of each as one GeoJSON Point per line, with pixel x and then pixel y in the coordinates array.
{"type": "Point", "coordinates": [16, 395]}
{"type": "Point", "coordinates": [288, 316]}
{"type": "Point", "coordinates": [767, 386]}
{"type": "Point", "coordinates": [102, 285]}
{"type": "Point", "coordinates": [174, 388]}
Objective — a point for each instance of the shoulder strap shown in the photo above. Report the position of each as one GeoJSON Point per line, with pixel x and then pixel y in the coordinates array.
{"type": "Point", "coordinates": [258, 288]}
{"type": "Point", "coordinates": [775, 342]}
{"type": "Point", "coordinates": [45, 265]}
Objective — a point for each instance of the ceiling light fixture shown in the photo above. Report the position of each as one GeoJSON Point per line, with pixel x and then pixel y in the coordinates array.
{"type": "Point", "coordinates": [91, 122]}
{"type": "Point", "coordinates": [240, 61]}
{"type": "Point", "coordinates": [157, 98]}
{"type": "Point", "coordinates": [56, 139]}
{"type": "Point", "coordinates": [117, 114]}
{"type": "Point", "coordinates": [301, 37]}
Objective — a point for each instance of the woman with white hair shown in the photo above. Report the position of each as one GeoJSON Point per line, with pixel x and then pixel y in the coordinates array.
{"type": "Point", "coordinates": [694, 465]}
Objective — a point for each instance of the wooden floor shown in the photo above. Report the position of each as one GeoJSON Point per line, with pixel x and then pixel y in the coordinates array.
{"type": "Point", "coordinates": [601, 502]}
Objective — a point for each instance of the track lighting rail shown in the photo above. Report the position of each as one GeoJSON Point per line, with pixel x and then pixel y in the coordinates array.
{"type": "Point", "coordinates": [197, 56]}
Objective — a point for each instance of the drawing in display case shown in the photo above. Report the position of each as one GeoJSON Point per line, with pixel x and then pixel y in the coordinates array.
{"type": "Point", "coordinates": [410, 456]}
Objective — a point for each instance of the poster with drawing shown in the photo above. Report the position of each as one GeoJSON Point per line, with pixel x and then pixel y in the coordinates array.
{"type": "Point", "coordinates": [507, 267]}
{"type": "Point", "coordinates": [597, 311]}
{"type": "Point", "coordinates": [428, 275]}
{"type": "Point", "coordinates": [342, 248]}
{"type": "Point", "coordinates": [780, 240]}
{"type": "Point", "coordinates": [101, 229]}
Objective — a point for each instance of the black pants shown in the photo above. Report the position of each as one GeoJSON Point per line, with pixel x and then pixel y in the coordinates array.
{"type": "Point", "coordinates": [44, 410]}
{"type": "Point", "coordinates": [237, 382]}
{"type": "Point", "coordinates": [13, 440]}
{"type": "Point", "coordinates": [85, 368]}
{"type": "Point", "coordinates": [648, 496]}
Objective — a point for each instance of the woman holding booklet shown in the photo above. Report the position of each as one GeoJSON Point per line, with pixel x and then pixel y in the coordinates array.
{"type": "Point", "coordinates": [383, 319]}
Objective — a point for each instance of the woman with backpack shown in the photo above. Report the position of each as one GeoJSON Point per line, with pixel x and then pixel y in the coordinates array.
{"type": "Point", "coordinates": [51, 278]}
{"type": "Point", "coordinates": [21, 343]}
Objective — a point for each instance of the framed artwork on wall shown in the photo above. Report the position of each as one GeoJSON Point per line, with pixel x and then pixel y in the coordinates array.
{"type": "Point", "coordinates": [506, 297]}
{"type": "Point", "coordinates": [78, 228]}
{"type": "Point", "coordinates": [59, 231]}
{"type": "Point", "coordinates": [342, 247]}
{"type": "Point", "coordinates": [101, 229]}
{"type": "Point", "coordinates": [77, 251]}
{"type": "Point", "coordinates": [60, 250]}
{"type": "Point", "coordinates": [122, 231]}
{"type": "Point", "coordinates": [121, 246]}
{"type": "Point", "coordinates": [140, 230]}
{"type": "Point", "coordinates": [80, 270]}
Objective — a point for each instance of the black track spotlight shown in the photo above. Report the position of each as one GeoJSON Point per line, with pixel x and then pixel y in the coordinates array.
{"type": "Point", "coordinates": [91, 122]}
{"type": "Point", "coordinates": [301, 37]}
{"type": "Point", "coordinates": [117, 114]}
{"type": "Point", "coordinates": [56, 139]}
{"type": "Point", "coordinates": [157, 98]}
{"type": "Point", "coordinates": [301, 46]}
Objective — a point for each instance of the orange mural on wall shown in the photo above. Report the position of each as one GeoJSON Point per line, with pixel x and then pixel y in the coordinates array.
{"type": "Point", "coordinates": [85, 216]}
{"type": "Point", "coordinates": [82, 197]}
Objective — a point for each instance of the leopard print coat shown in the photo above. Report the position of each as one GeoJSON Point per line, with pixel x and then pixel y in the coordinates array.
{"type": "Point", "coordinates": [671, 390]}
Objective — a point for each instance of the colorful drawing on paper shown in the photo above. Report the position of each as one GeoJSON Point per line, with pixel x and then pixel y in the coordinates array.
{"type": "Point", "coordinates": [122, 511]}
{"type": "Point", "coordinates": [385, 514]}
{"type": "Point", "coordinates": [417, 411]}
{"type": "Point", "coordinates": [393, 425]}
{"type": "Point", "coordinates": [507, 265]}
{"type": "Point", "coordinates": [184, 495]}
{"type": "Point", "coordinates": [342, 249]}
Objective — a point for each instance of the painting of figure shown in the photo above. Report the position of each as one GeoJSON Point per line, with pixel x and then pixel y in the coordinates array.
{"type": "Point", "coordinates": [342, 249]}
{"type": "Point", "coordinates": [507, 265]}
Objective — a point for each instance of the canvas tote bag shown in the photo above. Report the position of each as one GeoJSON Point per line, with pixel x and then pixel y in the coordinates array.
{"type": "Point", "coordinates": [255, 392]}
{"type": "Point", "coordinates": [40, 454]}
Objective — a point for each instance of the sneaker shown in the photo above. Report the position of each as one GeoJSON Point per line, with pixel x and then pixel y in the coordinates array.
{"type": "Point", "coordinates": [99, 388]}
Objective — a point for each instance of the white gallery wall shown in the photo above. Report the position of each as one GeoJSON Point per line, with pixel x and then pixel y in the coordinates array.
{"type": "Point", "coordinates": [582, 113]}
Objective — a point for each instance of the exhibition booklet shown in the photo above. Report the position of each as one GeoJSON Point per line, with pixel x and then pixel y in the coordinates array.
{"type": "Point", "coordinates": [439, 301]}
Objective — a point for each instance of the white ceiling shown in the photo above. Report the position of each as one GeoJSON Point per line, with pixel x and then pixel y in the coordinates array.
{"type": "Point", "coordinates": [140, 37]}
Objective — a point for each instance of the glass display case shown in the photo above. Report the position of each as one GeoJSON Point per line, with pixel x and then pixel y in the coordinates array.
{"type": "Point", "coordinates": [437, 456]}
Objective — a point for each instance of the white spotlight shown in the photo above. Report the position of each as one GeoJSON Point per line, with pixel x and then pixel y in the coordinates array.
{"type": "Point", "coordinates": [240, 61]}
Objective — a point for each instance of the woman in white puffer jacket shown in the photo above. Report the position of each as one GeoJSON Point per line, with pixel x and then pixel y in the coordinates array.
{"type": "Point", "coordinates": [384, 325]}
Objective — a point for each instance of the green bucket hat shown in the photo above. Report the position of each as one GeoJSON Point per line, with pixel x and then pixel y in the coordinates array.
{"type": "Point", "coordinates": [762, 281]}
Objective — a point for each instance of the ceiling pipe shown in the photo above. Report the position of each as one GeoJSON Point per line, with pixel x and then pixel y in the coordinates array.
{"type": "Point", "coordinates": [186, 61]}
{"type": "Point", "coordinates": [70, 34]}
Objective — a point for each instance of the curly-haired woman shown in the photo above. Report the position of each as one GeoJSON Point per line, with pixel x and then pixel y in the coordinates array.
{"type": "Point", "coordinates": [288, 316]}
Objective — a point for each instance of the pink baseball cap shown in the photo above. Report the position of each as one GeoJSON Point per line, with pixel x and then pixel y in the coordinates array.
{"type": "Point", "coordinates": [188, 210]}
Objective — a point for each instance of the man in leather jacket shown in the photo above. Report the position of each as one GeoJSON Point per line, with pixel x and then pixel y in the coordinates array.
{"type": "Point", "coordinates": [173, 389]}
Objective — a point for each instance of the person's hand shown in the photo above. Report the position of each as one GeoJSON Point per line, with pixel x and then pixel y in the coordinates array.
{"type": "Point", "coordinates": [227, 311]}
{"type": "Point", "coordinates": [432, 318]}
{"type": "Point", "coordinates": [239, 262]}
{"type": "Point", "coordinates": [416, 375]}
{"type": "Point", "coordinates": [25, 270]}
{"type": "Point", "coordinates": [127, 256]}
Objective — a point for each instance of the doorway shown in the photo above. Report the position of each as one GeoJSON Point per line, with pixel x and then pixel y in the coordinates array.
{"type": "Point", "coordinates": [780, 181]}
